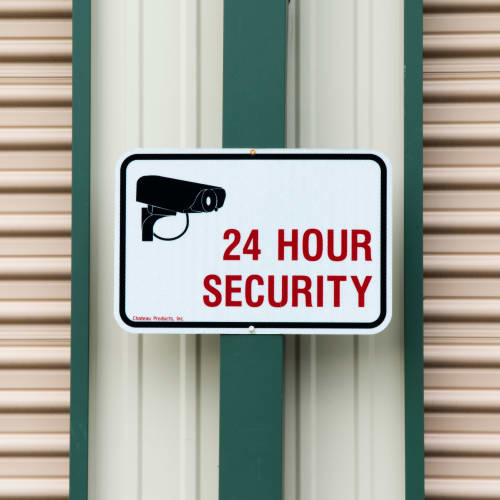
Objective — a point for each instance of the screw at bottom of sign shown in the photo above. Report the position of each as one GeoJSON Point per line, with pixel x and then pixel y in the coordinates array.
{"type": "Point", "coordinates": [251, 329]}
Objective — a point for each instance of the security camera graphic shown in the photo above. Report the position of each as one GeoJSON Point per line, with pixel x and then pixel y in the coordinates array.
{"type": "Point", "coordinates": [165, 197]}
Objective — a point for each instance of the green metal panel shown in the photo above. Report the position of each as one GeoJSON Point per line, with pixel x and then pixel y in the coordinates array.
{"type": "Point", "coordinates": [413, 266]}
{"type": "Point", "coordinates": [80, 248]}
{"type": "Point", "coordinates": [254, 73]}
{"type": "Point", "coordinates": [251, 371]}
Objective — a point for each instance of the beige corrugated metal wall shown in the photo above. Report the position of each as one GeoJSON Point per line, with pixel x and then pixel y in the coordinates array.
{"type": "Point", "coordinates": [462, 248]}
{"type": "Point", "coordinates": [35, 217]}
{"type": "Point", "coordinates": [154, 399]}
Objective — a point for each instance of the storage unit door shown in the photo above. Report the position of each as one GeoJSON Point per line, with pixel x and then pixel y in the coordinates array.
{"type": "Point", "coordinates": [462, 248]}
{"type": "Point", "coordinates": [35, 206]}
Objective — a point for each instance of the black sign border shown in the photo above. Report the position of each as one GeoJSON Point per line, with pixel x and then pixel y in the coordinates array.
{"type": "Point", "coordinates": [255, 157]}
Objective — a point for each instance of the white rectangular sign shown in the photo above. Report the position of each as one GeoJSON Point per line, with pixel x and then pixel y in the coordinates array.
{"type": "Point", "coordinates": [245, 241]}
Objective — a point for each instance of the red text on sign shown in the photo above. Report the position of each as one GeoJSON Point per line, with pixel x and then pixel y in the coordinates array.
{"type": "Point", "coordinates": [313, 245]}
{"type": "Point", "coordinates": [256, 290]}
{"type": "Point", "coordinates": [297, 290]}
{"type": "Point", "coordinates": [251, 247]}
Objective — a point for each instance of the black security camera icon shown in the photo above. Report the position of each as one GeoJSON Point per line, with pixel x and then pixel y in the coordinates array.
{"type": "Point", "coordinates": [165, 196]}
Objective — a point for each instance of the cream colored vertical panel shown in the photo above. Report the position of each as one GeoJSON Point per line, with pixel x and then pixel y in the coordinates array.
{"type": "Point", "coordinates": [157, 82]}
{"type": "Point", "coordinates": [345, 395]}
{"type": "Point", "coordinates": [35, 247]}
{"type": "Point", "coordinates": [462, 248]}
{"type": "Point", "coordinates": [114, 451]}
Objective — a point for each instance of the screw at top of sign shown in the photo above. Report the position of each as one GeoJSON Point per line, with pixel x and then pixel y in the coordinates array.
{"type": "Point", "coordinates": [251, 329]}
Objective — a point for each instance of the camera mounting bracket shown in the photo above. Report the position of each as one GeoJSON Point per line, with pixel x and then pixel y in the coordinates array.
{"type": "Point", "coordinates": [149, 216]}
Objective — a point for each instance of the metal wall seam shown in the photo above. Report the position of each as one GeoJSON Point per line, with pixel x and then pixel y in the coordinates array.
{"type": "Point", "coordinates": [35, 239]}
{"type": "Point", "coordinates": [413, 262]}
{"type": "Point", "coordinates": [462, 248]}
{"type": "Point", "coordinates": [80, 252]}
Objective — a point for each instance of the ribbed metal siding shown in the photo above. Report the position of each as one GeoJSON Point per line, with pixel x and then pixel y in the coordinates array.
{"type": "Point", "coordinates": [154, 399]}
{"type": "Point", "coordinates": [462, 248]}
{"type": "Point", "coordinates": [35, 218]}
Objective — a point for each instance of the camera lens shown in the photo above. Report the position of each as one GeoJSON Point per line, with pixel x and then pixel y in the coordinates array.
{"type": "Point", "coordinates": [208, 200]}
